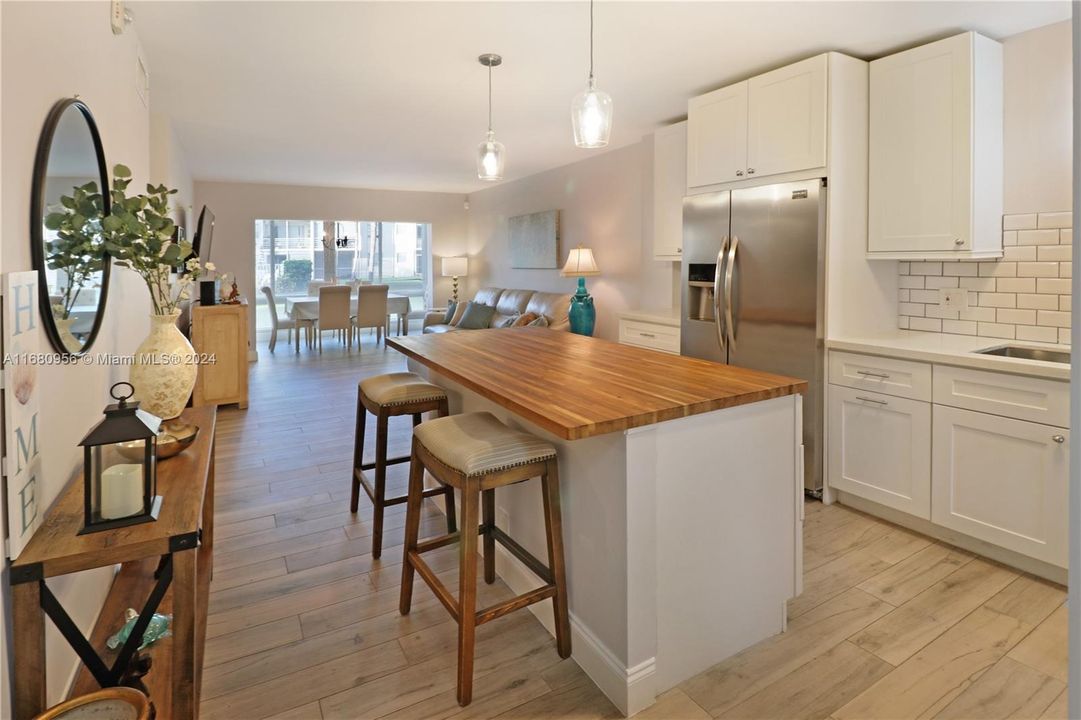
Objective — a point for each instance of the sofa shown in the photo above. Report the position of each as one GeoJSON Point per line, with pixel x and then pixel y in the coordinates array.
{"type": "Point", "coordinates": [509, 303]}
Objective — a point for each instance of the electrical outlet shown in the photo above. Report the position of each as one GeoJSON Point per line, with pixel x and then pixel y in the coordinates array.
{"type": "Point", "coordinates": [953, 298]}
{"type": "Point", "coordinates": [116, 16]}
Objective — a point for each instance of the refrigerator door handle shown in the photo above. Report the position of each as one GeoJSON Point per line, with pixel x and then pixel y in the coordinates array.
{"type": "Point", "coordinates": [728, 270]}
{"type": "Point", "coordinates": [717, 294]}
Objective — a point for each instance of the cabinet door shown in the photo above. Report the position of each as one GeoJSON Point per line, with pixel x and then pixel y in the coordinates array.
{"type": "Point", "coordinates": [786, 119]}
{"type": "Point", "coordinates": [920, 181]}
{"type": "Point", "coordinates": [669, 187]}
{"type": "Point", "coordinates": [1003, 481]}
{"type": "Point", "coordinates": [717, 136]}
{"type": "Point", "coordinates": [880, 449]}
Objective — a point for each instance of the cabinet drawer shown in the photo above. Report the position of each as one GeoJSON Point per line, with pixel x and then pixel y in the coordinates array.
{"type": "Point", "coordinates": [1016, 396]}
{"type": "Point", "coordinates": [880, 448]}
{"type": "Point", "coordinates": [655, 337]}
{"type": "Point", "coordinates": [902, 378]}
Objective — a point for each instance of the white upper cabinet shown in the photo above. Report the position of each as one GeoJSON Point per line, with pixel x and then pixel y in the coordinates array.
{"type": "Point", "coordinates": [786, 119]}
{"type": "Point", "coordinates": [669, 187]}
{"type": "Point", "coordinates": [769, 125]}
{"type": "Point", "coordinates": [717, 136]}
{"type": "Point", "coordinates": [935, 183]}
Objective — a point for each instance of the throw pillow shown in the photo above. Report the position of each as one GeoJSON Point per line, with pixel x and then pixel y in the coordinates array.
{"type": "Point", "coordinates": [525, 319]}
{"type": "Point", "coordinates": [541, 321]}
{"type": "Point", "coordinates": [476, 316]}
{"type": "Point", "coordinates": [510, 321]}
{"type": "Point", "coordinates": [459, 310]}
{"type": "Point", "coordinates": [451, 306]}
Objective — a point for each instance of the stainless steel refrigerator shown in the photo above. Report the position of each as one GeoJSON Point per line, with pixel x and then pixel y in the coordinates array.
{"type": "Point", "coordinates": [753, 290]}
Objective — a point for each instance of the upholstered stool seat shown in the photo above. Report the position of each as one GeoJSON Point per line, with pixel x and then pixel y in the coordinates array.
{"type": "Point", "coordinates": [476, 453]}
{"type": "Point", "coordinates": [400, 388]}
{"type": "Point", "coordinates": [477, 443]}
{"type": "Point", "coordinates": [386, 396]}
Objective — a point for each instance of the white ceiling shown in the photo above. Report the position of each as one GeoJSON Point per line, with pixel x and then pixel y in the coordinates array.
{"type": "Point", "coordinates": [390, 94]}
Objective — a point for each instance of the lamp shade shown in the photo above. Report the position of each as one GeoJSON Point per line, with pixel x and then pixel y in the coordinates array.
{"type": "Point", "coordinates": [455, 266]}
{"type": "Point", "coordinates": [580, 263]}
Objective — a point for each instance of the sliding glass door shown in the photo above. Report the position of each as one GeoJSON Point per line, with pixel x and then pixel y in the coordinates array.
{"type": "Point", "coordinates": [292, 255]}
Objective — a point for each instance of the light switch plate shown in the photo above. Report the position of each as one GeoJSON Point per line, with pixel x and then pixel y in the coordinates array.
{"type": "Point", "coordinates": [953, 298]}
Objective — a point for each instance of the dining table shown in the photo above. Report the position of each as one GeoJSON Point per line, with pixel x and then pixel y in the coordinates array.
{"type": "Point", "coordinates": [306, 307]}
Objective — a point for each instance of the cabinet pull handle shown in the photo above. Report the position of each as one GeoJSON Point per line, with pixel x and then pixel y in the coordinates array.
{"type": "Point", "coordinates": [1058, 438]}
{"type": "Point", "coordinates": [750, 171]}
{"type": "Point", "coordinates": [872, 400]}
{"type": "Point", "coordinates": [868, 373]}
{"type": "Point", "coordinates": [648, 335]}
{"type": "Point", "coordinates": [739, 173]}
{"type": "Point", "coordinates": [958, 242]}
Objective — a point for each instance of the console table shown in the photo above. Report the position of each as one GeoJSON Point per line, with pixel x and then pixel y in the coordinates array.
{"type": "Point", "coordinates": [170, 558]}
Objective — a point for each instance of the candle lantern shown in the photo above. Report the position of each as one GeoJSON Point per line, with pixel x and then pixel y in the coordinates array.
{"type": "Point", "coordinates": [120, 466]}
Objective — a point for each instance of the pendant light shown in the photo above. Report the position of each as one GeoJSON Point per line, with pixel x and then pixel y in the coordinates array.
{"type": "Point", "coordinates": [491, 155]}
{"type": "Point", "coordinates": [591, 111]}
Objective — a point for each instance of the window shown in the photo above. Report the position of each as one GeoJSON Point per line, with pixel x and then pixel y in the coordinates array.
{"type": "Point", "coordinates": [290, 254]}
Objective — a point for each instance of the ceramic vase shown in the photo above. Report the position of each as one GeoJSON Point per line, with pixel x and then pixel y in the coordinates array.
{"type": "Point", "coordinates": [164, 369]}
{"type": "Point", "coordinates": [63, 329]}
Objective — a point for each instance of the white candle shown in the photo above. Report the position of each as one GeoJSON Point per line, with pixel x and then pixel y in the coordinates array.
{"type": "Point", "coordinates": [121, 491]}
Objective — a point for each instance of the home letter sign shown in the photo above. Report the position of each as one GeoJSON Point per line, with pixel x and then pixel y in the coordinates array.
{"type": "Point", "coordinates": [22, 454]}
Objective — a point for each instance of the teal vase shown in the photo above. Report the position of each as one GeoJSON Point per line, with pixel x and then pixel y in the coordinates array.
{"type": "Point", "coordinates": [582, 313]}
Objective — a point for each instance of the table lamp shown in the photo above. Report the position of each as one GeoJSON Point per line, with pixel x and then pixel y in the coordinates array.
{"type": "Point", "coordinates": [455, 267]}
{"type": "Point", "coordinates": [580, 263]}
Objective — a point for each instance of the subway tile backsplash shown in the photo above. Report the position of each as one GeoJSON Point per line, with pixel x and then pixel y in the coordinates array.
{"type": "Point", "coordinates": [1023, 296]}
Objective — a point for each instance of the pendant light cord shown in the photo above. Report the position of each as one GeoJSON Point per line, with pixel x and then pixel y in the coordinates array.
{"type": "Point", "coordinates": [489, 98]}
{"type": "Point", "coordinates": [590, 39]}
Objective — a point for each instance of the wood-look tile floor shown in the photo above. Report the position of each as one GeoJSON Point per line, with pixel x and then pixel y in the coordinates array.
{"type": "Point", "coordinates": [304, 623]}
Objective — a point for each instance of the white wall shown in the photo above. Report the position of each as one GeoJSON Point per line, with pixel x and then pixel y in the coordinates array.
{"type": "Point", "coordinates": [51, 51]}
{"type": "Point", "coordinates": [602, 202]}
{"type": "Point", "coordinates": [237, 206]}
{"type": "Point", "coordinates": [1037, 120]}
{"type": "Point", "coordinates": [168, 166]}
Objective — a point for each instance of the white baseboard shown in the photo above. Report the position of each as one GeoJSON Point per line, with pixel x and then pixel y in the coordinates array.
{"type": "Point", "coordinates": [631, 690]}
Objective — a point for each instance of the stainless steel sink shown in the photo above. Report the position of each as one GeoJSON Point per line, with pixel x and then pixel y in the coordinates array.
{"type": "Point", "coordinates": [1028, 353]}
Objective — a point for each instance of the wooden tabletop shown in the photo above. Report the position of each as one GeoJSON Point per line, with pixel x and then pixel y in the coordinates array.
{"type": "Point", "coordinates": [577, 387]}
{"type": "Point", "coordinates": [58, 547]}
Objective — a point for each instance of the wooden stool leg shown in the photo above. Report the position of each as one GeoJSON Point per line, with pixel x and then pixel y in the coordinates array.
{"type": "Point", "coordinates": [380, 483]}
{"type": "Point", "coordinates": [488, 518]}
{"type": "Point", "coordinates": [358, 452]}
{"type": "Point", "coordinates": [553, 525]}
{"type": "Point", "coordinates": [412, 529]}
{"type": "Point", "coordinates": [467, 592]}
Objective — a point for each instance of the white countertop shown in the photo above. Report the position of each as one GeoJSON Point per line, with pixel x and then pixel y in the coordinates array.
{"type": "Point", "coordinates": [660, 316]}
{"type": "Point", "coordinates": [954, 350]}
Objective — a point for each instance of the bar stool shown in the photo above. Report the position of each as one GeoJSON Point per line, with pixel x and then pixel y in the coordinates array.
{"type": "Point", "coordinates": [385, 396]}
{"type": "Point", "coordinates": [476, 453]}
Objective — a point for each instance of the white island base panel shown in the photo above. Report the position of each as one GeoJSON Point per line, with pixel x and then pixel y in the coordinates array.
{"type": "Point", "coordinates": [683, 539]}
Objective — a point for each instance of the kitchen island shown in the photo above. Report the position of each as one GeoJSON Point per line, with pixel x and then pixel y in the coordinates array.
{"type": "Point", "coordinates": [682, 494]}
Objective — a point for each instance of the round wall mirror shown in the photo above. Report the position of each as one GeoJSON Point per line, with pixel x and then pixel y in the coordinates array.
{"type": "Point", "coordinates": [70, 197]}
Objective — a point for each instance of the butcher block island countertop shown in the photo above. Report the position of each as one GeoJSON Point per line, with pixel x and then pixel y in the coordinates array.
{"type": "Point", "coordinates": [577, 387]}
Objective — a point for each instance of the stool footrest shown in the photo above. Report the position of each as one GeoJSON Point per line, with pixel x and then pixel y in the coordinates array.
{"type": "Point", "coordinates": [390, 461]}
{"type": "Point", "coordinates": [539, 569]}
{"type": "Point", "coordinates": [442, 541]}
{"type": "Point", "coordinates": [440, 590]}
{"type": "Point", "coordinates": [515, 603]}
{"type": "Point", "coordinates": [430, 492]}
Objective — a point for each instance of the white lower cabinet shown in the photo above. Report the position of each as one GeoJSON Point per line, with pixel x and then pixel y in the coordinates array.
{"type": "Point", "coordinates": [1002, 480]}
{"type": "Point", "coordinates": [880, 448]}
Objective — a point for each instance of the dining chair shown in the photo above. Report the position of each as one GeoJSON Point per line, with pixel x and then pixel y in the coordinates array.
{"type": "Point", "coordinates": [289, 322]}
{"type": "Point", "coordinates": [371, 310]}
{"type": "Point", "coordinates": [314, 285]}
{"type": "Point", "coordinates": [334, 312]}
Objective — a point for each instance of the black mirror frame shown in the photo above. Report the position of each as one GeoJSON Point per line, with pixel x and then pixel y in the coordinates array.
{"type": "Point", "coordinates": [37, 208]}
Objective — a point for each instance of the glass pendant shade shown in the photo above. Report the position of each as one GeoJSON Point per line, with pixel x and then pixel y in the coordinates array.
{"type": "Point", "coordinates": [591, 116]}
{"type": "Point", "coordinates": [491, 157]}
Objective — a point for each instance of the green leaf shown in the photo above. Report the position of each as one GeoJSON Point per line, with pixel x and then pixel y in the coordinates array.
{"type": "Point", "coordinates": [121, 171]}
{"type": "Point", "coordinates": [53, 221]}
